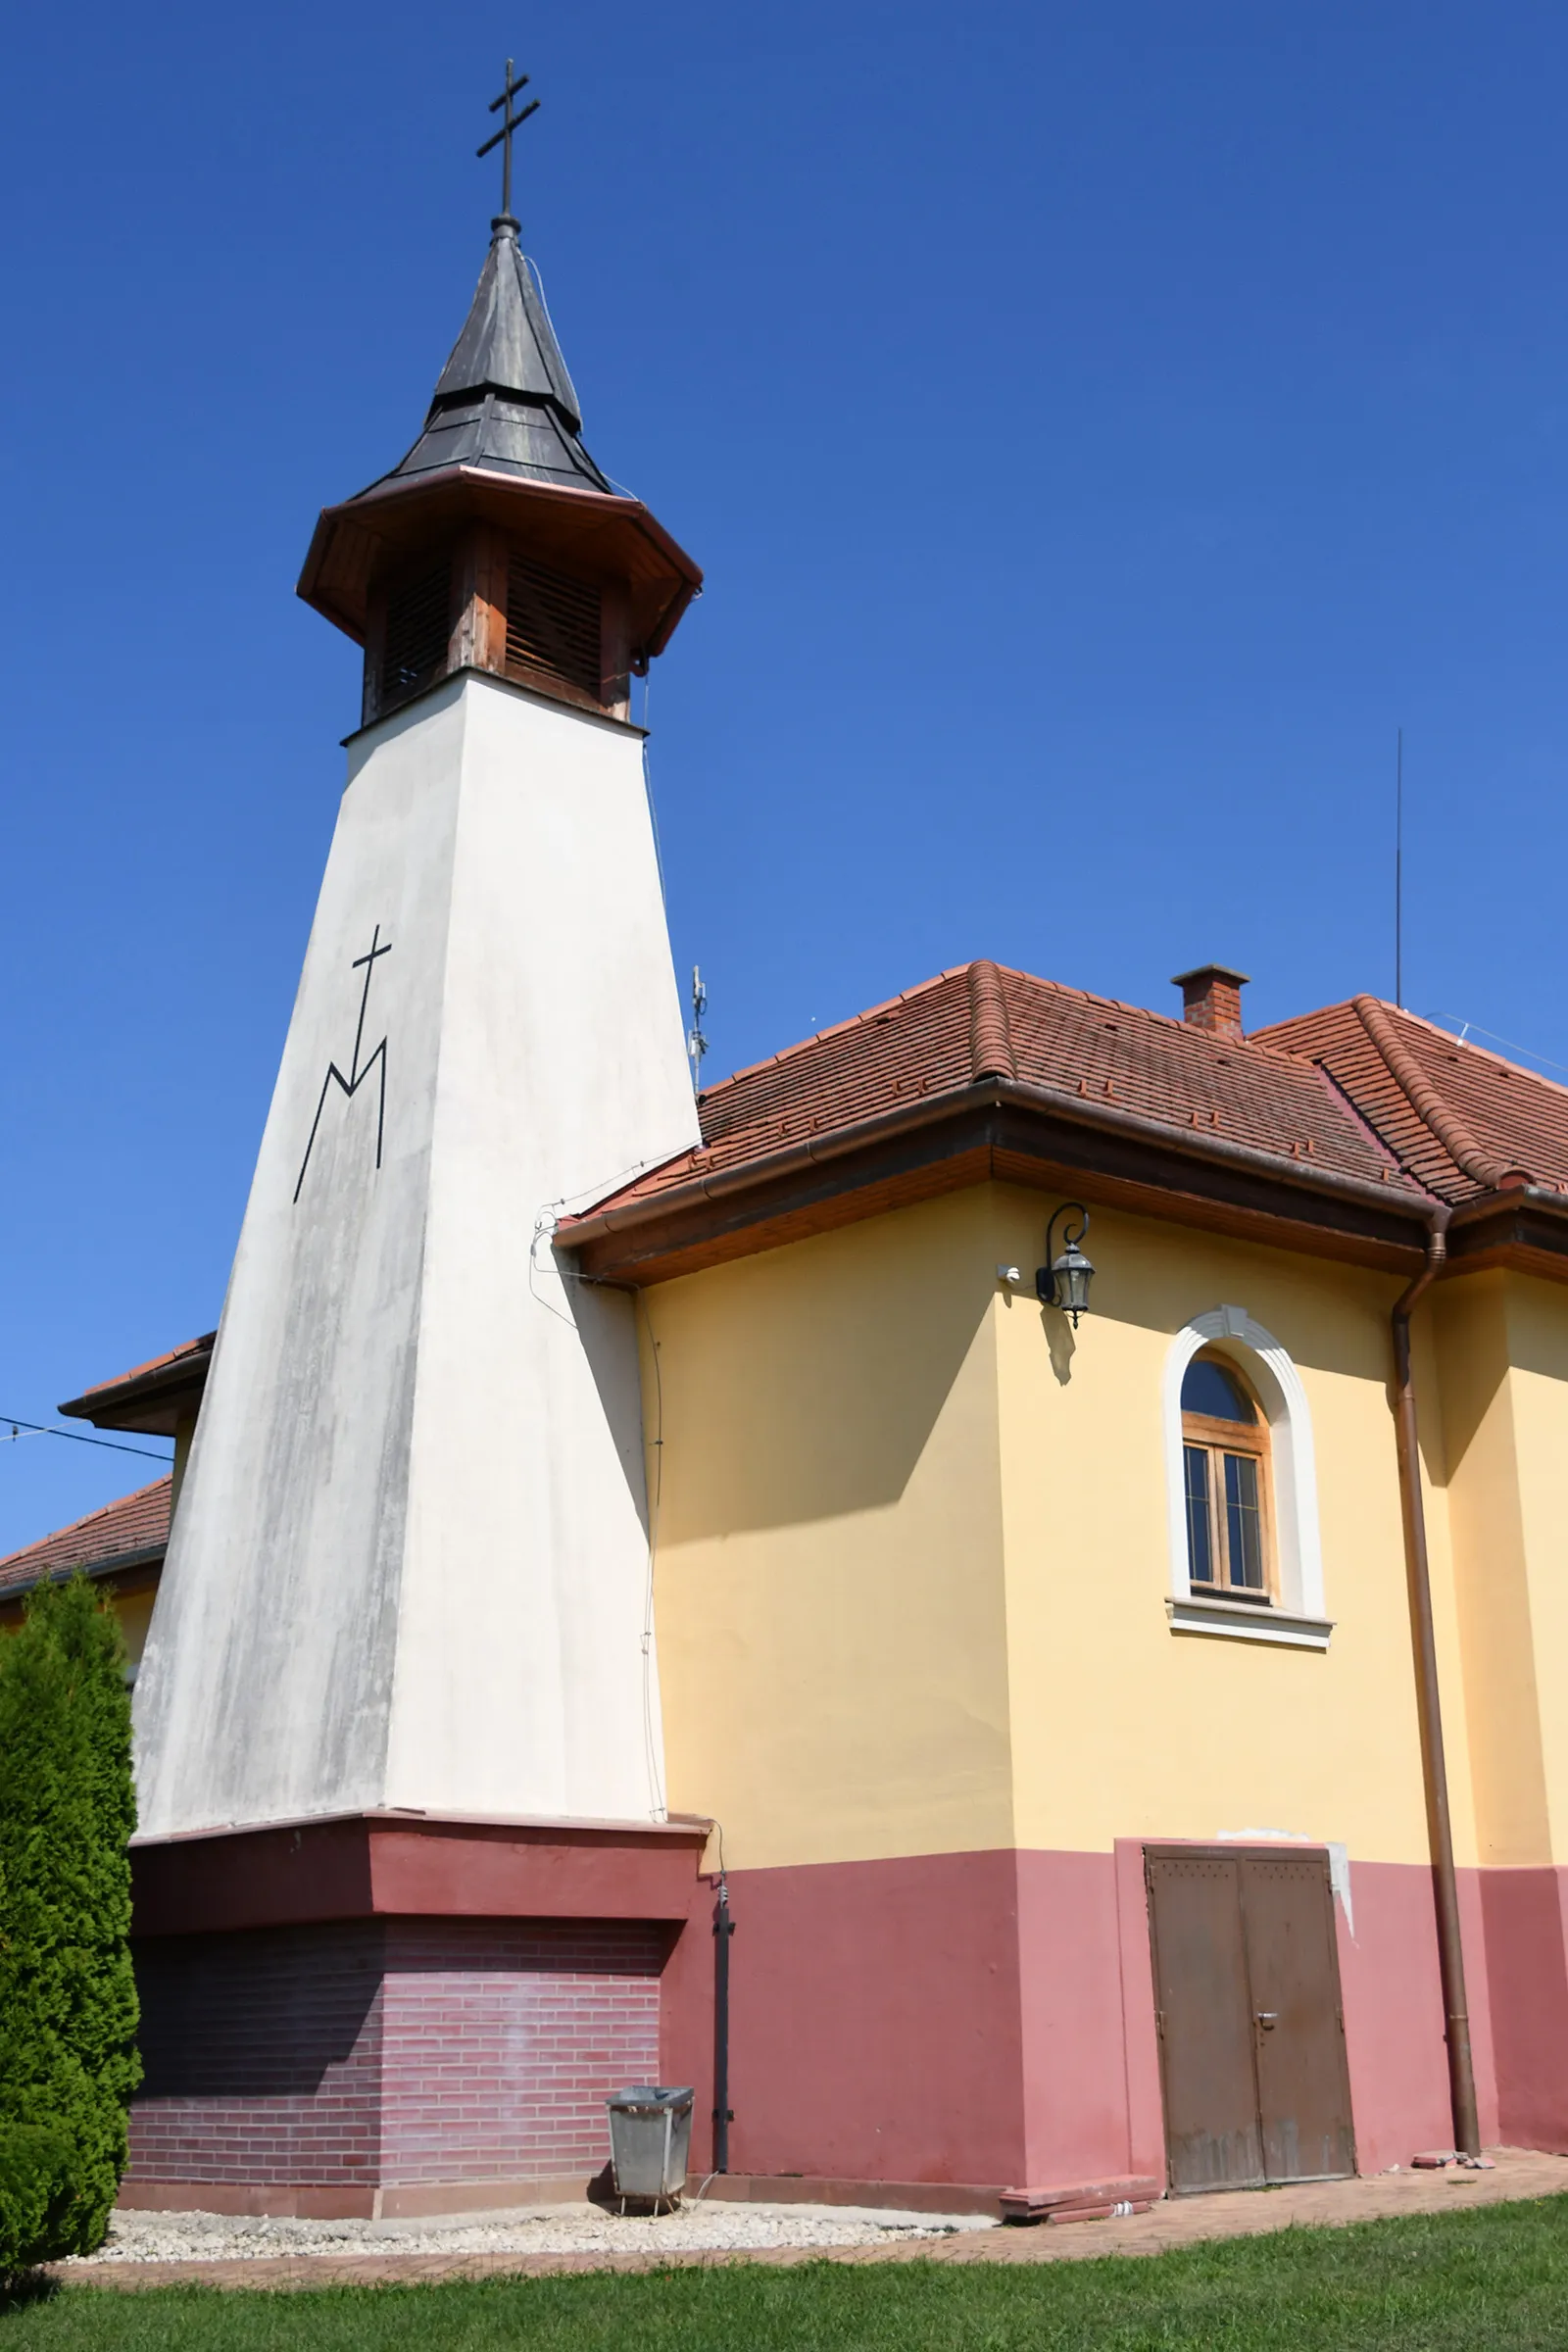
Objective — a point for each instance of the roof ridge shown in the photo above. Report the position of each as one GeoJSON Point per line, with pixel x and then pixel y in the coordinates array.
{"type": "Point", "coordinates": [1087, 996]}
{"type": "Point", "coordinates": [1424, 1098]}
{"type": "Point", "coordinates": [990, 1053]}
{"type": "Point", "coordinates": [1204, 1040]}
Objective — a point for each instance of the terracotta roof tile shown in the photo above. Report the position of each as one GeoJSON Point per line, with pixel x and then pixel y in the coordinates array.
{"type": "Point", "coordinates": [154, 1363]}
{"type": "Point", "coordinates": [981, 1021]}
{"type": "Point", "coordinates": [136, 1522]}
{"type": "Point", "coordinates": [1460, 1119]}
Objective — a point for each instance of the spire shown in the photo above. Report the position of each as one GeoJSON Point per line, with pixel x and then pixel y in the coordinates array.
{"type": "Point", "coordinates": [508, 345]}
{"type": "Point", "coordinates": [499, 495]}
{"type": "Point", "coordinates": [504, 402]}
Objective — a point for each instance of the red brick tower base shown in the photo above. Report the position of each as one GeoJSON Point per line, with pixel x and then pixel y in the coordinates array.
{"type": "Point", "coordinates": [391, 2014]}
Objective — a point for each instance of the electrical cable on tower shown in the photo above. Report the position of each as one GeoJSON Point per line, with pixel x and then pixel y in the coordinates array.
{"type": "Point", "coordinates": [696, 1041]}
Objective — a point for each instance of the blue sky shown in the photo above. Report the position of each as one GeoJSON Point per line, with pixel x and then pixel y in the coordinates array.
{"type": "Point", "coordinates": [1101, 428]}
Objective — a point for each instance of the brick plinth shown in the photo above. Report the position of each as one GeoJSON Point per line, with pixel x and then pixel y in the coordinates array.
{"type": "Point", "coordinates": [387, 2064]}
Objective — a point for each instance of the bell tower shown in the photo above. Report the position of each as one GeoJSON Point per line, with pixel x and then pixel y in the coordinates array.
{"type": "Point", "coordinates": [497, 546]}
{"type": "Point", "coordinates": [410, 1568]}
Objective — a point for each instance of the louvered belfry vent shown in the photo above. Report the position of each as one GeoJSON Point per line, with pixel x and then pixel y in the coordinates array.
{"type": "Point", "coordinates": [419, 627]}
{"type": "Point", "coordinates": [552, 626]}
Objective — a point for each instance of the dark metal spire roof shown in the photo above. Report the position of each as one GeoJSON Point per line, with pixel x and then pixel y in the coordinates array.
{"type": "Point", "coordinates": [504, 402]}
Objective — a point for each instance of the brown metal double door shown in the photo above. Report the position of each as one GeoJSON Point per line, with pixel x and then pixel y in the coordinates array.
{"type": "Point", "coordinates": [1252, 2031]}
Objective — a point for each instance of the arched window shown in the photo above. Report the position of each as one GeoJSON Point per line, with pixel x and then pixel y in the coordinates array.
{"type": "Point", "coordinates": [1246, 1560]}
{"type": "Point", "coordinates": [1225, 1483]}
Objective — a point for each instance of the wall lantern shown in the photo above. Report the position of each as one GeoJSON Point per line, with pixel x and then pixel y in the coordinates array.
{"type": "Point", "coordinates": [1064, 1281]}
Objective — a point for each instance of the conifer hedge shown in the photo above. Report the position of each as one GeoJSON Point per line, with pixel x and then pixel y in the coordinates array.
{"type": "Point", "coordinates": [68, 1998]}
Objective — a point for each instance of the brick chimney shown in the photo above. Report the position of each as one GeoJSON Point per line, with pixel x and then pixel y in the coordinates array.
{"type": "Point", "coordinates": [1211, 998]}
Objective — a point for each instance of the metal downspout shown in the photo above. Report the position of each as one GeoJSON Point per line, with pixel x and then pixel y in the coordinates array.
{"type": "Point", "coordinates": [1440, 1829]}
{"type": "Point", "coordinates": [723, 2113]}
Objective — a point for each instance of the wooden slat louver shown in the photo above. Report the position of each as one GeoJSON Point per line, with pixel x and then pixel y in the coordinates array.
{"type": "Point", "coordinates": [552, 626]}
{"type": "Point", "coordinates": [419, 625]}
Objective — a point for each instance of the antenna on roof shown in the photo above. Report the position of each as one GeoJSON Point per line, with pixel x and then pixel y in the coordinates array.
{"type": "Point", "coordinates": [1399, 869]}
{"type": "Point", "coordinates": [696, 1041]}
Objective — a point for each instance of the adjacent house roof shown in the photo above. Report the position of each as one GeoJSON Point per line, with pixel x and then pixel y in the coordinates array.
{"type": "Point", "coordinates": [1463, 1122]}
{"type": "Point", "coordinates": [132, 1533]}
{"type": "Point", "coordinates": [153, 1397]}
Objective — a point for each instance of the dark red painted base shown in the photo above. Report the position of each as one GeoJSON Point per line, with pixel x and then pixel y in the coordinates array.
{"type": "Point", "coordinates": [416, 2014]}
{"type": "Point", "coordinates": [1524, 1950]}
{"type": "Point", "coordinates": [991, 2016]}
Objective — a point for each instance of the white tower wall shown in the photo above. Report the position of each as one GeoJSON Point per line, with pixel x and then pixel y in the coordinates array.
{"type": "Point", "coordinates": [409, 1563]}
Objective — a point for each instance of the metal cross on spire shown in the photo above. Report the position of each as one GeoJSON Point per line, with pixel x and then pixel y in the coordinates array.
{"type": "Point", "coordinates": [503, 137]}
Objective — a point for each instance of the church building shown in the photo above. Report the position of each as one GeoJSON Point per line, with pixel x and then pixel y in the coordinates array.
{"type": "Point", "coordinates": [987, 1591]}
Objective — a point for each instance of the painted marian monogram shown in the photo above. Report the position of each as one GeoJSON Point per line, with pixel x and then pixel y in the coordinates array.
{"type": "Point", "coordinates": [357, 1071]}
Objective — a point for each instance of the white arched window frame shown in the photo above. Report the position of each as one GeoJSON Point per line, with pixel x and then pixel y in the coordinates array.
{"type": "Point", "coordinates": [1298, 1620]}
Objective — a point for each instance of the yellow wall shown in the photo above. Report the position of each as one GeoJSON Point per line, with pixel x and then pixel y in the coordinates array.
{"type": "Point", "coordinates": [1538, 1333]}
{"type": "Point", "coordinates": [135, 1611]}
{"type": "Point", "coordinates": [1503, 1372]}
{"type": "Point", "coordinates": [184, 1432]}
{"type": "Point", "coordinates": [1123, 1728]}
{"type": "Point", "coordinates": [829, 1582]}
{"type": "Point", "coordinates": [912, 1552]}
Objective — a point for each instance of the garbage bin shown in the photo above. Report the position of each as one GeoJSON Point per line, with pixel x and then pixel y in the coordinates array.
{"type": "Point", "coordinates": [650, 2136]}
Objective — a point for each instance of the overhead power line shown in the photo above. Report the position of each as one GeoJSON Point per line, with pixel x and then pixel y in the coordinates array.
{"type": "Point", "coordinates": [39, 1429]}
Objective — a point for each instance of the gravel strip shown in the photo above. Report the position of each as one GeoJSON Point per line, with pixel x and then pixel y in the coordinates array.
{"type": "Point", "coordinates": [540, 2229]}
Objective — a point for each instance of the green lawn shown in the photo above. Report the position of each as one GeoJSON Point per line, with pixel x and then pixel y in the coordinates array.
{"type": "Point", "coordinates": [1494, 2279]}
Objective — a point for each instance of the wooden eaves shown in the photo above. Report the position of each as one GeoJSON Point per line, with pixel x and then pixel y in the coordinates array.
{"type": "Point", "coordinates": [354, 540]}
{"type": "Point", "coordinates": [1011, 1132]}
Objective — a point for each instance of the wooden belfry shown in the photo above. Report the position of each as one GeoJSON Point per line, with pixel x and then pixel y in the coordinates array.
{"type": "Point", "coordinates": [497, 544]}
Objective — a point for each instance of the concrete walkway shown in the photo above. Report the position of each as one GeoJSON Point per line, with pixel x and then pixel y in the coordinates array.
{"type": "Point", "coordinates": [1181, 2221]}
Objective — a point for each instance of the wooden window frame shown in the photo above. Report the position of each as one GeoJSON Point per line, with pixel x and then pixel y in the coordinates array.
{"type": "Point", "coordinates": [1217, 1438]}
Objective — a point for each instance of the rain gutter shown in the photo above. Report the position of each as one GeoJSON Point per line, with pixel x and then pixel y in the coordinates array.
{"type": "Point", "coordinates": [1511, 1196]}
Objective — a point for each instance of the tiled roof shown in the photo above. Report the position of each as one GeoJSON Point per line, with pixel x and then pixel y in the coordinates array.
{"type": "Point", "coordinates": [980, 1021]}
{"type": "Point", "coordinates": [155, 1363]}
{"type": "Point", "coordinates": [137, 1524]}
{"type": "Point", "coordinates": [153, 1397]}
{"type": "Point", "coordinates": [1463, 1122]}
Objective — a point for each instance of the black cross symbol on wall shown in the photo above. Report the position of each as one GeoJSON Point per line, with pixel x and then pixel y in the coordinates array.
{"type": "Point", "coordinates": [351, 1085]}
